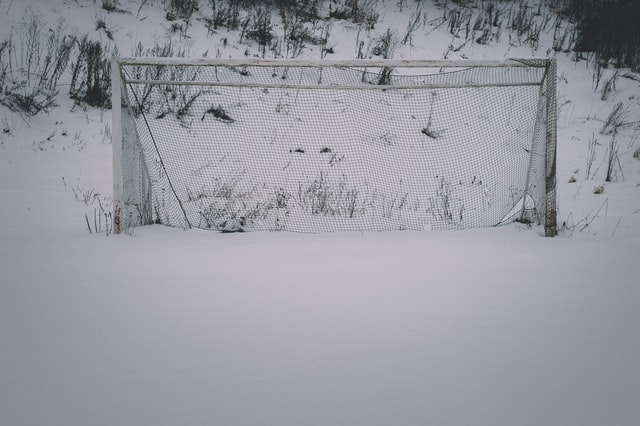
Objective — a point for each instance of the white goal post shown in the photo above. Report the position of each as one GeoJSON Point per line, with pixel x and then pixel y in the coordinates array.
{"type": "Point", "coordinates": [314, 146]}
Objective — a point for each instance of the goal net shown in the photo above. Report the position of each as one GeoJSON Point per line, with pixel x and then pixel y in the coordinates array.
{"type": "Point", "coordinates": [314, 146]}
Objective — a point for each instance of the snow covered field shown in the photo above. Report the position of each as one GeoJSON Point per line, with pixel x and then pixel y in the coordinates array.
{"type": "Point", "coordinates": [496, 326]}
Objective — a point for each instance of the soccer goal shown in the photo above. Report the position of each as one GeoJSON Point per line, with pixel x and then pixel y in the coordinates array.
{"type": "Point", "coordinates": [315, 146]}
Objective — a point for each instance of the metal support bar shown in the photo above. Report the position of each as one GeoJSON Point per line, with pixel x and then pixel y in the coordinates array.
{"type": "Point", "coordinates": [551, 211]}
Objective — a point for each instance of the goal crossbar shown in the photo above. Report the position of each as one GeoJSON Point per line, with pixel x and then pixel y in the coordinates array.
{"type": "Point", "coordinates": [330, 87]}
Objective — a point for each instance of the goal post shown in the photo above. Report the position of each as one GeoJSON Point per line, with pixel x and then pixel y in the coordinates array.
{"type": "Point", "coordinates": [131, 182]}
{"type": "Point", "coordinates": [551, 136]}
{"type": "Point", "coordinates": [315, 146]}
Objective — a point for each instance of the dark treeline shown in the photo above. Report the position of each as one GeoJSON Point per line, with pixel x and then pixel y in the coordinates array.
{"type": "Point", "coordinates": [608, 28]}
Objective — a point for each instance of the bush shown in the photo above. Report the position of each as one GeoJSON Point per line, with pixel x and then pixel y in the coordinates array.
{"type": "Point", "coordinates": [110, 5]}
{"type": "Point", "coordinates": [32, 63]}
{"type": "Point", "coordinates": [306, 10]}
{"type": "Point", "coordinates": [181, 9]}
{"type": "Point", "coordinates": [258, 26]}
{"type": "Point", "coordinates": [28, 102]}
{"type": "Point", "coordinates": [356, 11]}
{"type": "Point", "coordinates": [224, 13]}
{"type": "Point", "coordinates": [385, 44]}
{"type": "Point", "coordinates": [91, 74]}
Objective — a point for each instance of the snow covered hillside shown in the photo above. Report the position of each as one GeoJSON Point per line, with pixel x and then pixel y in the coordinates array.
{"type": "Point", "coordinates": [495, 326]}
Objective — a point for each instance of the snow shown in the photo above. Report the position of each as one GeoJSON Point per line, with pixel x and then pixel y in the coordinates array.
{"type": "Point", "coordinates": [173, 327]}
{"type": "Point", "coordinates": [496, 326]}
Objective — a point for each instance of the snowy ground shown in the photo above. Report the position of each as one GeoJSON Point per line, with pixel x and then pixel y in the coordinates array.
{"type": "Point", "coordinates": [496, 327]}
{"type": "Point", "coordinates": [492, 327]}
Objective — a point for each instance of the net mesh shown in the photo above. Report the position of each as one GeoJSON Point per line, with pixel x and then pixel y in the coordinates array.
{"type": "Point", "coordinates": [314, 149]}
